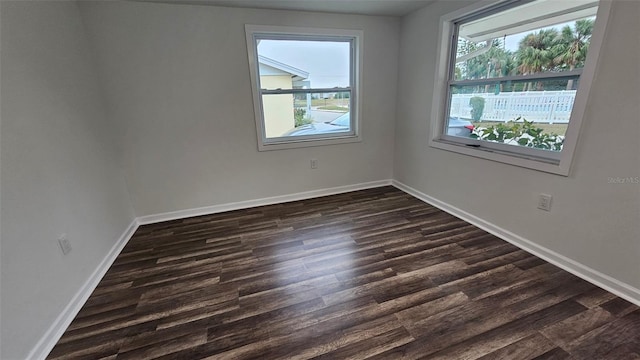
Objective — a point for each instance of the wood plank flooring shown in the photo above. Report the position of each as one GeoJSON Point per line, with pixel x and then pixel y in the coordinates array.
{"type": "Point", "coordinates": [373, 274]}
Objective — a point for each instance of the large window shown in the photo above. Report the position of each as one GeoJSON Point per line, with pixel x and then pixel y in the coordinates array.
{"type": "Point", "coordinates": [305, 85]}
{"type": "Point", "coordinates": [517, 76]}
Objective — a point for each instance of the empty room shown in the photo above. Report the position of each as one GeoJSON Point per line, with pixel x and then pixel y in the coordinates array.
{"type": "Point", "coordinates": [302, 179]}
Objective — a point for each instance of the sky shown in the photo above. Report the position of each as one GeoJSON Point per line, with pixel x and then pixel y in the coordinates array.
{"type": "Point", "coordinates": [326, 62]}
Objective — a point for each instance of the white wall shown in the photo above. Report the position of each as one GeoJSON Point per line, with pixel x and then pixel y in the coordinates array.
{"type": "Point", "coordinates": [177, 79]}
{"type": "Point", "coordinates": [592, 221]}
{"type": "Point", "coordinates": [59, 172]}
{"type": "Point", "coordinates": [177, 101]}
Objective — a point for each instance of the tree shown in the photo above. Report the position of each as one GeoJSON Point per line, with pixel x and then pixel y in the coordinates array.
{"type": "Point", "coordinates": [473, 68]}
{"type": "Point", "coordinates": [536, 53]}
{"type": "Point", "coordinates": [572, 46]}
{"type": "Point", "coordinates": [495, 62]}
{"type": "Point", "coordinates": [500, 62]}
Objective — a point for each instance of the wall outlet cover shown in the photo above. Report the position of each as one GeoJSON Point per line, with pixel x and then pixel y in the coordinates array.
{"type": "Point", "coordinates": [65, 244]}
{"type": "Point", "coordinates": [544, 202]}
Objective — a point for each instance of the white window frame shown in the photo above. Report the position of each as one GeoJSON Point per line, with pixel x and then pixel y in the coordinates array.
{"type": "Point", "coordinates": [536, 159]}
{"type": "Point", "coordinates": [254, 32]}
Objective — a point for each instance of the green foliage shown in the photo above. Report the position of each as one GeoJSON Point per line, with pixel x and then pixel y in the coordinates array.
{"type": "Point", "coordinates": [477, 107]}
{"type": "Point", "coordinates": [572, 46]}
{"type": "Point", "coordinates": [535, 51]}
{"type": "Point", "coordinates": [523, 133]}
{"type": "Point", "coordinates": [495, 62]}
{"type": "Point", "coordinates": [542, 51]}
{"type": "Point", "coordinates": [300, 118]}
{"type": "Point", "coordinates": [573, 43]}
{"type": "Point", "coordinates": [299, 114]}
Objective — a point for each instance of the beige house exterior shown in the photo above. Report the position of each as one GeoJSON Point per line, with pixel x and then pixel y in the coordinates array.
{"type": "Point", "coordinates": [278, 109]}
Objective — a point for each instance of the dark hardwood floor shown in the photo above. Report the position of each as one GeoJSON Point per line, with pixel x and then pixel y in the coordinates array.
{"type": "Point", "coordinates": [369, 274]}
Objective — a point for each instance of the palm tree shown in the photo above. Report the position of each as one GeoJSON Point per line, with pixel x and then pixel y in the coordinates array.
{"type": "Point", "coordinates": [572, 45]}
{"type": "Point", "coordinates": [495, 62]}
{"type": "Point", "coordinates": [535, 53]}
{"type": "Point", "coordinates": [498, 62]}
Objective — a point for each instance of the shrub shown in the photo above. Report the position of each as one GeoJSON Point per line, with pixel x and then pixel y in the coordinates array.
{"type": "Point", "coordinates": [477, 107]}
{"type": "Point", "coordinates": [300, 118]}
{"type": "Point", "coordinates": [523, 133]}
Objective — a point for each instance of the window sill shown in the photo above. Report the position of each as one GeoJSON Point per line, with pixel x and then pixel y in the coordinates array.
{"type": "Point", "coordinates": [302, 143]}
{"type": "Point", "coordinates": [538, 164]}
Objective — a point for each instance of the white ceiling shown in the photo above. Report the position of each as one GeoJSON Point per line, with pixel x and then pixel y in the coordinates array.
{"type": "Point", "coordinates": [363, 7]}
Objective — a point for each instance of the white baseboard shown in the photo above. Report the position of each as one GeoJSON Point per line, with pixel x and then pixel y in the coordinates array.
{"type": "Point", "coordinates": [207, 210]}
{"type": "Point", "coordinates": [55, 331]}
{"type": "Point", "coordinates": [595, 277]}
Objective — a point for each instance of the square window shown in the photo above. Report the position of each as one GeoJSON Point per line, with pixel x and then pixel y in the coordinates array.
{"type": "Point", "coordinates": [305, 85]}
{"type": "Point", "coordinates": [514, 84]}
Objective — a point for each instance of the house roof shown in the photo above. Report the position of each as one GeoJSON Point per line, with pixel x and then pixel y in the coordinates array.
{"type": "Point", "coordinates": [297, 74]}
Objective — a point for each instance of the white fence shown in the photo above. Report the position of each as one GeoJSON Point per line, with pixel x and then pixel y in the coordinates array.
{"type": "Point", "coordinates": [537, 106]}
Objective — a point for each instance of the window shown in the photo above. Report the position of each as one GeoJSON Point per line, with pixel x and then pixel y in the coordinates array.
{"type": "Point", "coordinates": [516, 79]}
{"type": "Point", "coordinates": [305, 85]}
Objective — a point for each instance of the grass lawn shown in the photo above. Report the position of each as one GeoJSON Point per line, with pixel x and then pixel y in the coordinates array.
{"type": "Point", "coordinates": [324, 102]}
{"type": "Point", "coordinates": [558, 129]}
{"type": "Point", "coordinates": [333, 107]}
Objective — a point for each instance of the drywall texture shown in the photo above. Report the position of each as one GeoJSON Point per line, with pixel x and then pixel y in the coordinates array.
{"type": "Point", "coordinates": [59, 172]}
{"type": "Point", "coordinates": [177, 79]}
{"type": "Point", "coordinates": [593, 221]}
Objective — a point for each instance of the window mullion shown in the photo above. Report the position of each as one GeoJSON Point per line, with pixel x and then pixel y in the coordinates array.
{"type": "Point", "coordinates": [304, 91]}
{"type": "Point", "coordinates": [574, 74]}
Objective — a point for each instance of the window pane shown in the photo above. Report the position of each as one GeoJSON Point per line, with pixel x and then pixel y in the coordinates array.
{"type": "Point", "coordinates": [497, 112]}
{"type": "Point", "coordinates": [306, 114]}
{"type": "Point", "coordinates": [303, 64]}
{"type": "Point", "coordinates": [528, 39]}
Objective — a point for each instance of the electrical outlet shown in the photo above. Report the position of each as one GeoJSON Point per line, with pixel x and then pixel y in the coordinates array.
{"type": "Point", "coordinates": [544, 202]}
{"type": "Point", "coordinates": [65, 244]}
{"type": "Point", "coordinates": [314, 163]}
